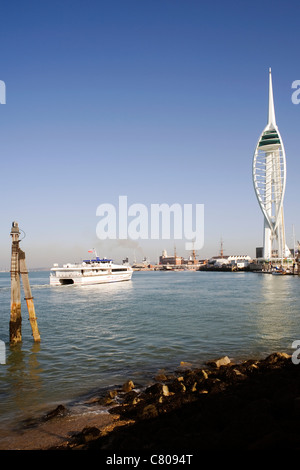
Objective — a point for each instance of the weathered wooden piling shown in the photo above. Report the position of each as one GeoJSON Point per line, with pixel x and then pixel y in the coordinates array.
{"type": "Point", "coordinates": [18, 266]}
{"type": "Point", "coordinates": [28, 296]}
{"type": "Point", "coordinates": [15, 325]}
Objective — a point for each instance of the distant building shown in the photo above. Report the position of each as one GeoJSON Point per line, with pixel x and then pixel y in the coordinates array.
{"type": "Point", "coordinates": [236, 258]}
{"type": "Point", "coordinates": [175, 260]}
{"type": "Point", "coordinates": [191, 260]}
{"type": "Point", "coordinates": [218, 260]}
{"type": "Point", "coordinates": [241, 261]}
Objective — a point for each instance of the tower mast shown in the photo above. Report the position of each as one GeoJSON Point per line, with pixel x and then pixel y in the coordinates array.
{"type": "Point", "coordinates": [221, 250]}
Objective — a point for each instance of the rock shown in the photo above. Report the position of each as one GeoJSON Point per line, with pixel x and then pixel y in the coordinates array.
{"type": "Point", "coordinates": [108, 399]}
{"type": "Point", "coordinates": [185, 365]}
{"type": "Point", "coordinates": [194, 387]}
{"type": "Point", "coordinates": [161, 376]}
{"type": "Point", "coordinates": [59, 411]}
{"type": "Point", "coordinates": [276, 357]}
{"type": "Point", "coordinates": [217, 386]}
{"type": "Point", "coordinates": [158, 389]}
{"type": "Point", "coordinates": [261, 412]}
{"type": "Point", "coordinates": [177, 385]}
{"type": "Point", "coordinates": [92, 401]}
{"type": "Point", "coordinates": [90, 433]}
{"type": "Point", "coordinates": [238, 374]}
{"type": "Point", "coordinates": [128, 386]}
{"type": "Point", "coordinates": [112, 393]}
{"type": "Point", "coordinates": [232, 375]}
{"type": "Point", "coordinates": [131, 398]}
{"type": "Point", "coordinates": [105, 401]}
{"type": "Point", "coordinates": [190, 381]}
{"type": "Point", "coordinates": [86, 435]}
{"type": "Point", "coordinates": [149, 411]}
{"type": "Point", "coordinates": [249, 367]}
{"type": "Point", "coordinates": [223, 361]}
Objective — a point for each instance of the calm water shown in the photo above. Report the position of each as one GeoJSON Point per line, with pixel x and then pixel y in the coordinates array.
{"type": "Point", "coordinates": [98, 336]}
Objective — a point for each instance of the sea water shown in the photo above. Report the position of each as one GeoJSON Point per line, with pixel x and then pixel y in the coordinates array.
{"type": "Point", "coordinates": [93, 337]}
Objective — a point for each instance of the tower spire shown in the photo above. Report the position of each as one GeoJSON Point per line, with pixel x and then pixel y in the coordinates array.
{"type": "Point", "coordinates": [269, 179]}
{"type": "Point", "coordinates": [271, 114]}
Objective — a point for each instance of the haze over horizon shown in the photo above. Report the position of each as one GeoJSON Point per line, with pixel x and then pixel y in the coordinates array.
{"type": "Point", "coordinates": [161, 101]}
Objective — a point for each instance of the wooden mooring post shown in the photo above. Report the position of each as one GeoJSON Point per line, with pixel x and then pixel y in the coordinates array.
{"type": "Point", "coordinates": [18, 266]}
{"type": "Point", "coordinates": [15, 325]}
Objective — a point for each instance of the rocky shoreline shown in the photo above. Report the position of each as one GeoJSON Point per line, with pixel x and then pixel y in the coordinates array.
{"type": "Point", "coordinates": [252, 405]}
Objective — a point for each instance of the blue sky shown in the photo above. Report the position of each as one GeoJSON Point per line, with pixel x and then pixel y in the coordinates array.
{"type": "Point", "coordinates": [162, 101]}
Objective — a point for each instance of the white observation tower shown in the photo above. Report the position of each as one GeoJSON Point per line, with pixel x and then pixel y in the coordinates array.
{"type": "Point", "coordinates": [269, 179]}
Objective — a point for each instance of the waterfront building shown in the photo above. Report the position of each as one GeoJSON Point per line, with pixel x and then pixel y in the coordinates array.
{"type": "Point", "coordinates": [174, 260]}
{"type": "Point", "coordinates": [240, 261]}
{"type": "Point", "coordinates": [269, 180]}
{"type": "Point", "coordinates": [169, 260]}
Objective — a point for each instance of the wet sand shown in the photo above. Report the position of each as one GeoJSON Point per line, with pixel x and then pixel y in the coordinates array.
{"type": "Point", "coordinates": [55, 432]}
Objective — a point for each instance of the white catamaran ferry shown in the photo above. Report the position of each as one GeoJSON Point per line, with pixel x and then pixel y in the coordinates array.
{"type": "Point", "coordinates": [94, 271]}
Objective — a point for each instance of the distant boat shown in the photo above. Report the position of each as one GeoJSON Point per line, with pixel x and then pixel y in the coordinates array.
{"type": "Point", "coordinates": [278, 271]}
{"type": "Point", "coordinates": [94, 271]}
